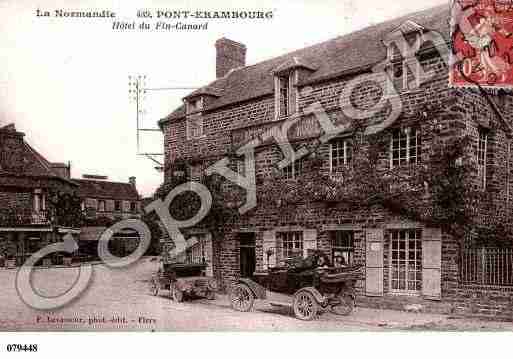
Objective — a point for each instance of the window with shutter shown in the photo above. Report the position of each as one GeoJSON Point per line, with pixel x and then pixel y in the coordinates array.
{"type": "Point", "coordinates": [285, 93]}
{"type": "Point", "coordinates": [405, 261]}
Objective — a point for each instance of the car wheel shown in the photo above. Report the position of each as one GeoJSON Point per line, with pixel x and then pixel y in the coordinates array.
{"type": "Point", "coordinates": [241, 298]}
{"type": "Point", "coordinates": [344, 305]}
{"type": "Point", "coordinates": [305, 306]}
{"type": "Point", "coordinates": [177, 295]}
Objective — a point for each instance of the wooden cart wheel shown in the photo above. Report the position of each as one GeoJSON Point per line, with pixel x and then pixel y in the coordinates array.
{"type": "Point", "coordinates": [344, 305]}
{"type": "Point", "coordinates": [305, 306]}
{"type": "Point", "coordinates": [241, 298]}
{"type": "Point", "coordinates": [177, 295]}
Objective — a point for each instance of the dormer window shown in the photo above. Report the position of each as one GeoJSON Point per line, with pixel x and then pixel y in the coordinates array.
{"type": "Point", "coordinates": [195, 104]}
{"type": "Point", "coordinates": [402, 46]}
{"type": "Point", "coordinates": [194, 119]}
{"type": "Point", "coordinates": [284, 88]}
{"type": "Point", "coordinates": [285, 94]}
{"type": "Point", "coordinates": [286, 79]}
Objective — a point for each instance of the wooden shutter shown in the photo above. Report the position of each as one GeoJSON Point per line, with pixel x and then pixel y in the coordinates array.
{"type": "Point", "coordinates": [276, 97]}
{"type": "Point", "coordinates": [209, 250]}
{"type": "Point", "coordinates": [374, 262]}
{"type": "Point", "coordinates": [309, 241]}
{"type": "Point", "coordinates": [431, 263]}
{"type": "Point", "coordinates": [269, 243]}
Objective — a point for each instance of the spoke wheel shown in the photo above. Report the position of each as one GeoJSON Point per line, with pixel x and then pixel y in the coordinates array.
{"type": "Point", "coordinates": [305, 306]}
{"type": "Point", "coordinates": [177, 295]}
{"type": "Point", "coordinates": [344, 305]}
{"type": "Point", "coordinates": [241, 298]}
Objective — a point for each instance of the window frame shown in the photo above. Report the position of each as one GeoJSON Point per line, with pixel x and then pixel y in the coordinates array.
{"type": "Point", "coordinates": [287, 81]}
{"type": "Point", "coordinates": [99, 206]}
{"type": "Point", "coordinates": [117, 206]}
{"type": "Point", "coordinates": [196, 131]}
{"type": "Point", "coordinates": [240, 166]}
{"type": "Point", "coordinates": [405, 161]}
{"type": "Point", "coordinates": [336, 238]}
{"type": "Point", "coordinates": [482, 156]}
{"type": "Point", "coordinates": [347, 159]}
{"type": "Point", "coordinates": [418, 269]}
{"type": "Point", "coordinates": [290, 242]}
{"type": "Point", "coordinates": [284, 95]}
{"type": "Point", "coordinates": [295, 169]}
{"type": "Point", "coordinates": [399, 61]}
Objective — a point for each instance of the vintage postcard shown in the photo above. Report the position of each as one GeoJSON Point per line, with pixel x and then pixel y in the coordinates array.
{"type": "Point", "coordinates": [271, 166]}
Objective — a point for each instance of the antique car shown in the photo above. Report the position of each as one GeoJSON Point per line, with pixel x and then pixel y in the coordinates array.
{"type": "Point", "coordinates": [184, 281]}
{"type": "Point", "coordinates": [310, 285]}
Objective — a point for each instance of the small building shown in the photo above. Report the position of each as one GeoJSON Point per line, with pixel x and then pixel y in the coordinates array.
{"type": "Point", "coordinates": [103, 198]}
{"type": "Point", "coordinates": [39, 203]}
{"type": "Point", "coordinates": [105, 202]}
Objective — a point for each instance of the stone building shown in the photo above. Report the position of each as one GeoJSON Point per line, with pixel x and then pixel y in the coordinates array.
{"type": "Point", "coordinates": [103, 203]}
{"type": "Point", "coordinates": [407, 259]}
{"type": "Point", "coordinates": [31, 188]}
{"type": "Point", "coordinates": [104, 198]}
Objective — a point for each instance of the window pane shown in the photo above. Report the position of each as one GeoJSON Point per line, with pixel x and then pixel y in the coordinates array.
{"type": "Point", "coordinates": [406, 261]}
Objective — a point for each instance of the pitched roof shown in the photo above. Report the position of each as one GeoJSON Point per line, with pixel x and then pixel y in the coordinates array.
{"type": "Point", "coordinates": [345, 54]}
{"type": "Point", "coordinates": [28, 161]}
{"type": "Point", "coordinates": [106, 189]}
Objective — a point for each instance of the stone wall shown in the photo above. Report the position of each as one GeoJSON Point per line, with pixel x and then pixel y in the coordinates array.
{"type": "Point", "coordinates": [452, 113]}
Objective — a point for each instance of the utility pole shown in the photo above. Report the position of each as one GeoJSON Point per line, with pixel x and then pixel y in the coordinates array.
{"type": "Point", "coordinates": [137, 91]}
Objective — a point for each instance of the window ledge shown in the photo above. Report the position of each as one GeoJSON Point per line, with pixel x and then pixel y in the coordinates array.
{"type": "Point", "coordinates": [197, 138]}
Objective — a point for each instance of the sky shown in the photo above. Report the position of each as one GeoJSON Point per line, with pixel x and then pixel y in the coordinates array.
{"type": "Point", "coordinates": [64, 82]}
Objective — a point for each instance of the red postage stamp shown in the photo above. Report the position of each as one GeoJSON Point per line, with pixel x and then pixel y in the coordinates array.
{"type": "Point", "coordinates": [482, 43]}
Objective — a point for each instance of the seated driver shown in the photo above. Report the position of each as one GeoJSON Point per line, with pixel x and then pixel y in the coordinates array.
{"type": "Point", "coordinates": [322, 263]}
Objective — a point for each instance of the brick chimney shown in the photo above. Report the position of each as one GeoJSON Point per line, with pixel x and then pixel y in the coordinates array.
{"type": "Point", "coordinates": [131, 180]}
{"type": "Point", "coordinates": [12, 149]}
{"type": "Point", "coordinates": [229, 55]}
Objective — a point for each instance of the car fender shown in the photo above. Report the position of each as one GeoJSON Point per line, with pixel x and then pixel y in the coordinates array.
{"type": "Point", "coordinates": [322, 300]}
{"type": "Point", "coordinates": [257, 289]}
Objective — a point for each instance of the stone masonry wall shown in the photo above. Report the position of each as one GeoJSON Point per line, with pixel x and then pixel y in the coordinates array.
{"type": "Point", "coordinates": [456, 112]}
